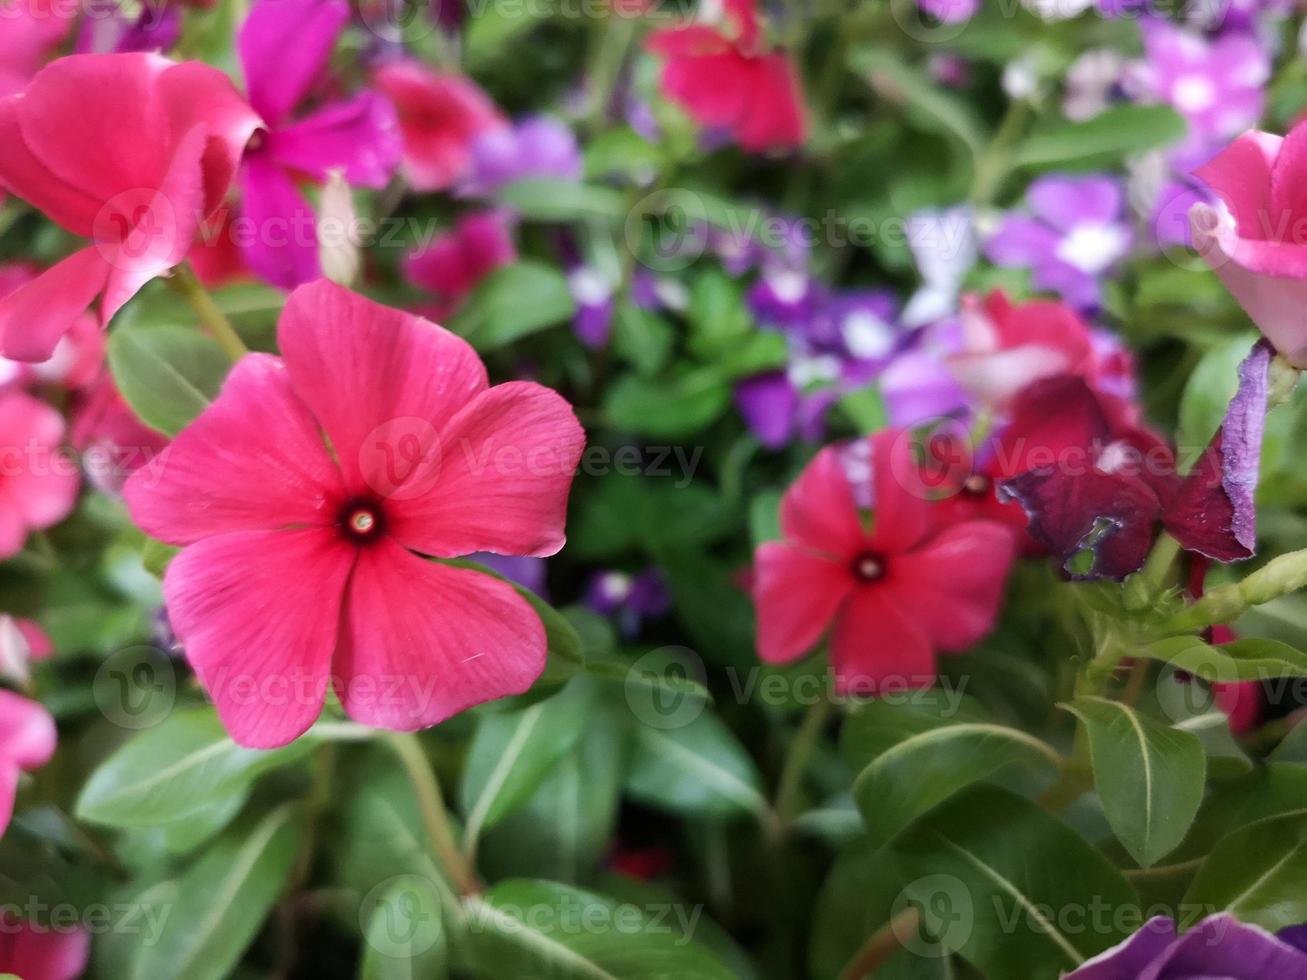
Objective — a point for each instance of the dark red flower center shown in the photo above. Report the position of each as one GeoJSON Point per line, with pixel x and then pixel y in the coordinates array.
{"type": "Point", "coordinates": [362, 521]}
{"type": "Point", "coordinates": [976, 485]}
{"type": "Point", "coordinates": [869, 566]}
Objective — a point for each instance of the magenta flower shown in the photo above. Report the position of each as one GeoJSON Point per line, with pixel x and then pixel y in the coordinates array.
{"type": "Point", "coordinates": [27, 740]}
{"type": "Point", "coordinates": [284, 46]}
{"type": "Point", "coordinates": [36, 952]}
{"type": "Point", "coordinates": [303, 496]}
{"type": "Point", "coordinates": [1219, 946]}
{"type": "Point", "coordinates": [451, 265]}
{"type": "Point", "coordinates": [38, 484]}
{"type": "Point", "coordinates": [32, 31]}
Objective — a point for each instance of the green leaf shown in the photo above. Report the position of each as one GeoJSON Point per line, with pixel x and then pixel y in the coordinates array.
{"type": "Point", "coordinates": [175, 771]}
{"type": "Point", "coordinates": [694, 769]}
{"type": "Point", "coordinates": [1149, 777]}
{"type": "Point", "coordinates": [167, 374]}
{"type": "Point", "coordinates": [1257, 873]}
{"type": "Point", "coordinates": [513, 752]}
{"type": "Point", "coordinates": [914, 775]}
{"type": "Point", "coordinates": [718, 318]}
{"type": "Point", "coordinates": [405, 934]}
{"type": "Point", "coordinates": [513, 302]}
{"type": "Point", "coordinates": [1207, 393]}
{"type": "Point", "coordinates": [866, 409]}
{"type": "Point", "coordinates": [992, 875]}
{"type": "Point", "coordinates": [1242, 660]}
{"type": "Point", "coordinates": [522, 928]}
{"type": "Point", "coordinates": [933, 107]}
{"type": "Point", "coordinates": [564, 201]}
{"type": "Point", "coordinates": [642, 338]}
{"type": "Point", "coordinates": [670, 408]}
{"type": "Point", "coordinates": [1126, 129]}
{"type": "Point", "coordinates": [219, 902]}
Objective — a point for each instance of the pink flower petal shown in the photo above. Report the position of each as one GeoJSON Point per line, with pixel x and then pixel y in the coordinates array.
{"type": "Point", "coordinates": [284, 46]}
{"type": "Point", "coordinates": [257, 614]}
{"type": "Point", "coordinates": [797, 595]}
{"type": "Point", "coordinates": [27, 732]}
{"type": "Point", "coordinates": [360, 137]}
{"type": "Point", "coordinates": [39, 953]}
{"type": "Point", "coordinates": [421, 641]}
{"type": "Point", "coordinates": [65, 203]}
{"type": "Point", "coordinates": [901, 513]}
{"type": "Point", "coordinates": [35, 316]}
{"type": "Point", "coordinates": [278, 236]}
{"type": "Point", "coordinates": [878, 647]}
{"type": "Point", "coordinates": [818, 510]}
{"type": "Point", "coordinates": [253, 460]}
{"type": "Point", "coordinates": [382, 383]}
{"type": "Point", "coordinates": [38, 484]}
{"type": "Point", "coordinates": [1241, 176]}
{"type": "Point", "coordinates": [8, 793]}
{"type": "Point", "coordinates": [774, 116]}
{"type": "Point", "coordinates": [505, 467]}
{"type": "Point", "coordinates": [953, 584]}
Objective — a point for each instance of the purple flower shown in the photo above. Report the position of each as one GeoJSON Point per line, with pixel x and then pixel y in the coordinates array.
{"type": "Point", "coordinates": [629, 599]}
{"type": "Point", "coordinates": [284, 46]}
{"type": "Point", "coordinates": [537, 148]}
{"type": "Point", "coordinates": [107, 29]}
{"type": "Point", "coordinates": [526, 572]}
{"type": "Point", "coordinates": [1217, 85]}
{"type": "Point", "coordinates": [943, 244]}
{"type": "Point", "coordinates": [950, 11]}
{"type": "Point", "coordinates": [592, 292]}
{"type": "Point", "coordinates": [1073, 235]}
{"type": "Point", "coordinates": [1218, 947]}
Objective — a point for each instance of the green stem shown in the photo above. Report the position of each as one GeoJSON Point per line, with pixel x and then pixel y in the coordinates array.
{"type": "Point", "coordinates": [186, 282]}
{"type": "Point", "coordinates": [881, 944]}
{"type": "Point", "coordinates": [796, 760]}
{"type": "Point", "coordinates": [431, 804]}
{"type": "Point", "coordinates": [992, 165]}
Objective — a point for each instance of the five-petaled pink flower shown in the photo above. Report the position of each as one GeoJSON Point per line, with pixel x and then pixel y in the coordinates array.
{"type": "Point", "coordinates": [27, 740]}
{"type": "Point", "coordinates": [38, 483]}
{"type": "Point", "coordinates": [303, 496]}
{"type": "Point", "coordinates": [439, 117]}
{"type": "Point", "coordinates": [284, 46]}
{"type": "Point", "coordinates": [1257, 242]}
{"type": "Point", "coordinates": [892, 593]}
{"type": "Point", "coordinates": [129, 150]}
{"type": "Point", "coordinates": [725, 77]}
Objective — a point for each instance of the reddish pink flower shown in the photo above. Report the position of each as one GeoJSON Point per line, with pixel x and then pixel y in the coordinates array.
{"type": "Point", "coordinates": [1257, 241]}
{"type": "Point", "coordinates": [439, 116]}
{"type": "Point", "coordinates": [301, 564]}
{"type": "Point", "coordinates": [451, 266]}
{"type": "Point", "coordinates": [39, 953]}
{"type": "Point", "coordinates": [32, 29]}
{"type": "Point", "coordinates": [22, 642]}
{"type": "Point", "coordinates": [112, 441]}
{"type": "Point", "coordinates": [27, 739]}
{"type": "Point", "coordinates": [1007, 346]}
{"type": "Point", "coordinates": [894, 591]}
{"type": "Point", "coordinates": [725, 77]}
{"type": "Point", "coordinates": [129, 150]}
{"type": "Point", "coordinates": [78, 357]}
{"type": "Point", "coordinates": [38, 483]}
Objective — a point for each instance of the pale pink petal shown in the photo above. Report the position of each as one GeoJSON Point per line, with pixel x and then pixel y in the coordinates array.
{"type": "Point", "coordinates": [279, 238]}
{"type": "Point", "coordinates": [257, 614]}
{"type": "Point", "coordinates": [27, 732]}
{"type": "Point", "coordinates": [252, 460]}
{"type": "Point", "coordinates": [382, 383]}
{"type": "Point", "coordinates": [877, 647]}
{"type": "Point", "coordinates": [35, 316]}
{"type": "Point", "coordinates": [505, 467]}
{"type": "Point", "coordinates": [952, 585]}
{"type": "Point", "coordinates": [797, 595]}
{"type": "Point", "coordinates": [818, 510]}
{"type": "Point", "coordinates": [38, 483]}
{"type": "Point", "coordinates": [1241, 176]}
{"type": "Point", "coordinates": [421, 641]}
{"type": "Point", "coordinates": [997, 377]}
{"type": "Point", "coordinates": [284, 45]}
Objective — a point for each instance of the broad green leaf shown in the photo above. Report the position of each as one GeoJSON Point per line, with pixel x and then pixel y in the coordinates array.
{"type": "Point", "coordinates": [668, 408]}
{"type": "Point", "coordinates": [642, 339]}
{"type": "Point", "coordinates": [1207, 393]}
{"type": "Point", "coordinates": [1257, 873]}
{"type": "Point", "coordinates": [1267, 791]}
{"type": "Point", "coordinates": [221, 900]}
{"type": "Point", "coordinates": [717, 315]}
{"type": "Point", "coordinates": [1242, 660]}
{"type": "Point", "coordinates": [1225, 757]}
{"type": "Point", "coordinates": [523, 928]}
{"type": "Point", "coordinates": [175, 770]}
{"type": "Point", "coordinates": [1149, 776]}
{"type": "Point", "coordinates": [512, 303]}
{"type": "Point", "coordinates": [405, 935]}
{"type": "Point", "coordinates": [1111, 134]}
{"type": "Point", "coordinates": [913, 776]}
{"type": "Point", "coordinates": [168, 374]}
{"type": "Point", "coordinates": [513, 752]}
{"type": "Point", "coordinates": [879, 725]}
{"type": "Point", "coordinates": [992, 874]}
{"type": "Point", "coordinates": [697, 768]}
{"type": "Point", "coordinates": [765, 517]}
{"type": "Point", "coordinates": [933, 106]}
{"type": "Point", "coordinates": [866, 409]}
{"type": "Point", "coordinates": [564, 201]}
{"type": "Point", "coordinates": [1292, 748]}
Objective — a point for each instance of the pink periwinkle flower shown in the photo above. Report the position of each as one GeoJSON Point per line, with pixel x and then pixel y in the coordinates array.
{"type": "Point", "coordinates": [129, 150]}
{"type": "Point", "coordinates": [77, 358]}
{"type": "Point", "coordinates": [891, 590]}
{"type": "Point", "coordinates": [36, 952]}
{"type": "Point", "coordinates": [451, 265]}
{"type": "Point", "coordinates": [284, 46]}
{"type": "Point", "coordinates": [306, 497]}
{"type": "Point", "coordinates": [38, 483]}
{"type": "Point", "coordinates": [32, 31]}
{"type": "Point", "coordinates": [1256, 240]}
{"type": "Point", "coordinates": [27, 740]}
{"type": "Point", "coordinates": [439, 118]}
{"type": "Point", "coordinates": [111, 440]}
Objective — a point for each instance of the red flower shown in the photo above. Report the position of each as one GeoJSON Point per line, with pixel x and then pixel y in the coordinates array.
{"type": "Point", "coordinates": [894, 594]}
{"type": "Point", "coordinates": [723, 78]}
